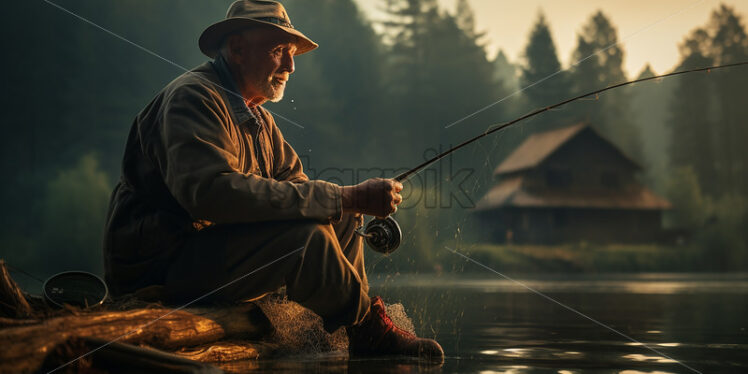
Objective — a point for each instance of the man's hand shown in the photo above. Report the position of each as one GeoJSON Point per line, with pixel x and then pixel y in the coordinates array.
{"type": "Point", "coordinates": [377, 197]}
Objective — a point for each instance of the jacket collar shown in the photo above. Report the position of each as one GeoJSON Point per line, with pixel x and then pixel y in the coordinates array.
{"type": "Point", "coordinates": [241, 112]}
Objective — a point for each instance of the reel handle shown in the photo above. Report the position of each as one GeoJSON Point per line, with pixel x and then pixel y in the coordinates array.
{"type": "Point", "coordinates": [382, 235]}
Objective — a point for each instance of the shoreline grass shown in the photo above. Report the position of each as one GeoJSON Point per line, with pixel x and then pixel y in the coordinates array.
{"type": "Point", "coordinates": [589, 258]}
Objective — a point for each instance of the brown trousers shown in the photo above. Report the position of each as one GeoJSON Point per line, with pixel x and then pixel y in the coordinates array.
{"type": "Point", "coordinates": [323, 267]}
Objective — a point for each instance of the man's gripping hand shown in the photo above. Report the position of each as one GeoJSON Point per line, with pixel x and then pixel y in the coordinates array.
{"type": "Point", "coordinates": [377, 197]}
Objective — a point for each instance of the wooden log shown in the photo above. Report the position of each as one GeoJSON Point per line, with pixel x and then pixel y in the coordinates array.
{"type": "Point", "coordinates": [227, 351]}
{"type": "Point", "coordinates": [97, 355]}
{"type": "Point", "coordinates": [14, 322]}
{"type": "Point", "coordinates": [12, 302]}
{"type": "Point", "coordinates": [245, 321]}
{"type": "Point", "coordinates": [26, 346]}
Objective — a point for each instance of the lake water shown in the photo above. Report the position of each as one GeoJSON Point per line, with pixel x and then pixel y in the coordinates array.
{"type": "Point", "coordinates": [487, 324]}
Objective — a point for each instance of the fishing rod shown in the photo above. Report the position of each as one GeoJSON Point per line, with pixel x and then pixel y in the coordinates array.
{"type": "Point", "coordinates": [404, 176]}
{"type": "Point", "coordinates": [385, 235]}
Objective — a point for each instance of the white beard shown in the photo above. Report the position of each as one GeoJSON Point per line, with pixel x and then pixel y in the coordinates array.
{"type": "Point", "coordinates": [273, 92]}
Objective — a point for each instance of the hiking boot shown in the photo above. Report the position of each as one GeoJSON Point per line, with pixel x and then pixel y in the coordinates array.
{"type": "Point", "coordinates": [376, 335]}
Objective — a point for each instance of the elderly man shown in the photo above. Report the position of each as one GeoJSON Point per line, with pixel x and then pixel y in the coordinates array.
{"type": "Point", "coordinates": [213, 203]}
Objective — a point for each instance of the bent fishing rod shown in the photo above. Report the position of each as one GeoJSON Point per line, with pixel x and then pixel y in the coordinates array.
{"type": "Point", "coordinates": [385, 235]}
{"type": "Point", "coordinates": [404, 176]}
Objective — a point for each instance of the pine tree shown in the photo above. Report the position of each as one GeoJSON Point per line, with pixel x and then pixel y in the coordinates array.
{"type": "Point", "coordinates": [438, 73]}
{"type": "Point", "coordinates": [692, 118]}
{"type": "Point", "coordinates": [542, 71]}
{"type": "Point", "coordinates": [709, 112]}
{"type": "Point", "coordinates": [598, 62]}
{"type": "Point", "coordinates": [465, 19]}
{"type": "Point", "coordinates": [729, 44]}
{"type": "Point", "coordinates": [649, 104]}
{"type": "Point", "coordinates": [505, 73]}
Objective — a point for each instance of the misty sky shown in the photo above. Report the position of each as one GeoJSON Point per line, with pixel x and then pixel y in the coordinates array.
{"type": "Point", "coordinates": [651, 29]}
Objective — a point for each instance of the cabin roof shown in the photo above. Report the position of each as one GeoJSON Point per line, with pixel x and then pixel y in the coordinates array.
{"type": "Point", "coordinates": [537, 147]}
{"type": "Point", "coordinates": [510, 193]}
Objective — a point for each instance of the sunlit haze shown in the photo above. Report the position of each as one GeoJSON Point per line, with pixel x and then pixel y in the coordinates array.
{"type": "Point", "coordinates": [650, 31]}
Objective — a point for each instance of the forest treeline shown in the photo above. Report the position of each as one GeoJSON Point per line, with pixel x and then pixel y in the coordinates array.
{"type": "Point", "coordinates": [378, 96]}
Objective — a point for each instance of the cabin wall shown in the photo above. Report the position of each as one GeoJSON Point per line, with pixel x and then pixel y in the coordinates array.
{"type": "Point", "coordinates": [570, 225]}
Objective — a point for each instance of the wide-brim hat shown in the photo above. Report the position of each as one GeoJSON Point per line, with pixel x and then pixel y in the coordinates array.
{"type": "Point", "coordinates": [244, 14]}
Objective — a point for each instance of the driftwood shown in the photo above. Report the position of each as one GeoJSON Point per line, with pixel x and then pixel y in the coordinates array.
{"type": "Point", "coordinates": [12, 302]}
{"type": "Point", "coordinates": [226, 351]}
{"type": "Point", "coordinates": [120, 337]}
{"type": "Point", "coordinates": [99, 355]}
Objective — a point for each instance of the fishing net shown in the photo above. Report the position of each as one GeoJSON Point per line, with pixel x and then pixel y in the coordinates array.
{"type": "Point", "coordinates": [299, 331]}
{"type": "Point", "coordinates": [397, 314]}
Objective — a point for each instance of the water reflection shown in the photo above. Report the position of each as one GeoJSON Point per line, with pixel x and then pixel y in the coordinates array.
{"type": "Point", "coordinates": [494, 326]}
{"type": "Point", "coordinates": [507, 370]}
{"type": "Point", "coordinates": [640, 357]}
{"type": "Point", "coordinates": [598, 283]}
{"type": "Point", "coordinates": [534, 353]}
{"type": "Point", "coordinates": [387, 365]}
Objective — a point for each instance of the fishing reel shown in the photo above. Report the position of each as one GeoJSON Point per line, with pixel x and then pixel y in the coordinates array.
{"type": "Point", "coordinates": [382, 235]}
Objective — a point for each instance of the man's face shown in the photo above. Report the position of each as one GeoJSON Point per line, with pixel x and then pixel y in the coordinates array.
{"type": "Point", "coordinates": [264, 59]}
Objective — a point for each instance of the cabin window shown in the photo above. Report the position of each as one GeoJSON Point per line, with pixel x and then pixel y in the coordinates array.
{"type": "Point", "coordinates": [558, 178]}
{"type": "Point", "coordinates": [610, 179]}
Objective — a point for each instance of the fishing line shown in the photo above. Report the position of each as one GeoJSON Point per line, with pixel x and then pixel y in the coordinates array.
{"type": "Point", "coordinates": [24, 272]}
{"type": "Point", "coordinates": [404, 176]}
{"type": "Point", "coordinates": [385, 235]}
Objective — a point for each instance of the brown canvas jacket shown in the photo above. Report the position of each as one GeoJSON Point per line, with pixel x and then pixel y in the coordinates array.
{"type": "Point", "coordinates": [192, 160]}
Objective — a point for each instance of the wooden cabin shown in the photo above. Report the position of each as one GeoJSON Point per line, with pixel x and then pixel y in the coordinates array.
{"type": "Point", "coordinates": [570, 185]}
